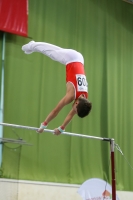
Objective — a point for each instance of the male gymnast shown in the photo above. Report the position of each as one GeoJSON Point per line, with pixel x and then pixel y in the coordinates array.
{"type": "Point", "coordinates": [76, 83]}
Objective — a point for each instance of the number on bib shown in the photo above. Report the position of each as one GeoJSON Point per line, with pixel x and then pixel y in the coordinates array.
{"type": "Point", "coordinates": [82, 85]}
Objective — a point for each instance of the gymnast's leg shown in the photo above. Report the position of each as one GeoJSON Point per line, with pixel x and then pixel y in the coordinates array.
{"type": "Point", "coordinates": [54, 52]}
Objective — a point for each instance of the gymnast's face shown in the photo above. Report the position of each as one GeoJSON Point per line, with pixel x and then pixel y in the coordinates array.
{"type": "Point", "coordinates": [76, 102]}
{"type": "Point", "coordinates": [74, 105]}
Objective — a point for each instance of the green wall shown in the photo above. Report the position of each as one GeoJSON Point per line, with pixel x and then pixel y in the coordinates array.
{"type": "Point", "coordinates": [103, 32]}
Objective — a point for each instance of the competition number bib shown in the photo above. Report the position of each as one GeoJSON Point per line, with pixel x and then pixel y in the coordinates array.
{"type": "Point", "coordinates": [82, 85]}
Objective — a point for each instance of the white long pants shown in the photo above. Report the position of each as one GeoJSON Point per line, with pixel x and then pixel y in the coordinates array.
{"type": "Point", "coordinates": [64, 56]}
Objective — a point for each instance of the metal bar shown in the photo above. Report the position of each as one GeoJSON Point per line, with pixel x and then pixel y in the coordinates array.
{"type": "Point", "coordinates": [113, 170]}
{"type": "Point", "coordinates": [2, 91]}
{"type": "Point", "coordinates": [10, 139]}
{"type": "Point", "coordinates": [2, 142]}
{"type": "Point", "coordinates": [52, 131]}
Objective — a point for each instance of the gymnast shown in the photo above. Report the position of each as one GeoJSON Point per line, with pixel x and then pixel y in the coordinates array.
{"type": "Point", "coordinates": [76, 83]}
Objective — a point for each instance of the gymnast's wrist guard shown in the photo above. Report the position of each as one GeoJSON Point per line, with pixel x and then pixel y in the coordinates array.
{"type": "Point", "coordinates": [43, 125]}
{"type": "Point", "coordinates": [61, 129]}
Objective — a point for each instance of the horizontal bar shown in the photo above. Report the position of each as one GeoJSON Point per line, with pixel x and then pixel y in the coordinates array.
{"type": "Point", "coordinates": [52, 131]}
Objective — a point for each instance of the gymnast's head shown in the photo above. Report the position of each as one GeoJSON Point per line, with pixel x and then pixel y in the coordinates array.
{"type": "Point", "coordinates": [82, 106]}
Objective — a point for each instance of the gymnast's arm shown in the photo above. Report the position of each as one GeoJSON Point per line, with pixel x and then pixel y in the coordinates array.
{"type": "Point", "coordinates": [64, 101]}
{"type": "Point", "coordinates": [68, 118]}
{"type": "Point", "coordinates": [68, 98]}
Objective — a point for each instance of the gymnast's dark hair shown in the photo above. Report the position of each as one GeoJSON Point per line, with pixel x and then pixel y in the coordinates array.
{"type": "Point", "coordinates": [84, 107]}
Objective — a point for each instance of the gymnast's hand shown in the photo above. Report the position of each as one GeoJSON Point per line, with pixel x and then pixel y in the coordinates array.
{"type": "Point", "coordinates": [40, 130]}
{"type": "Point", "coordinates": [56, 131]}
{"type": "Point", "coordinates": [59, 130]}
{"type": "Point", "coordinates": [42, 127]}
